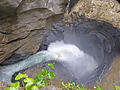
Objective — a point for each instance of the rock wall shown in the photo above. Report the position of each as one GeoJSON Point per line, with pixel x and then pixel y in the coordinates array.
{"type": "Point", "coordinates": [106, 10]}
{"type": "Point", "coordinates": [8, 7]}
{"type": "Point", "coordinates": [24, 24]}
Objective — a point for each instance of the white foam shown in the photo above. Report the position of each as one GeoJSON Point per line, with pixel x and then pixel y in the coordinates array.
{"type": "Point", "coordinates": [66, 51]}
{"type": "Point", "coordinates": [76, 58]}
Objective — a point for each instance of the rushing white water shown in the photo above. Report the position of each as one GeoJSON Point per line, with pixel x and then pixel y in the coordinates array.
{"type": "Point", "coordinates": [71, 53]}
{"type": "Point", "coordinates": [67, 51]}
{"type": "Point", "coordinates": [78, 62]}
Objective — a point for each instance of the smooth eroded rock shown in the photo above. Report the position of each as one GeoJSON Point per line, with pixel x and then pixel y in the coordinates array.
{"type": "Point", "coordinates": [56, 6]}
{"type": "Point", "coordinates": [22, 34]}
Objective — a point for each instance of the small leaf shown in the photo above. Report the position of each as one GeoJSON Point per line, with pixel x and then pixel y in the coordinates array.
{"type": "Point", "coordinates": [78, 87]}
{"type": "Point", "coordinates": [12, 88]}
{"type": "Point", "coordinates": [100, 80]}
{"type": "Point", "coordinates": [117, 87]}
{"type": "Point", "coordinates": [2, 87]}
{"type": "Point", "coordinates": [20, 76]}
{"type": "Point", "coordinates": [29, 81]}
{"type": "Point", "coordinates": [63, 84]}
{"type": "Point", "coordinates": [40, 77]}
{"type": "Point", "coordinates": [73, 84]}
{"type": "Point", "coordinates": [41, 83]}
{"type": "Point", "coordinates": [28, 88]}
{"type": "Point", "coordinates": [34, 87]}
{"type": "Point", "coordinates": [50, 75]}
{"type": "Point", "coordinates": [16, 85]}
{"type": "Point", "coordinates": [51, 65]}
{"type": "Point", "coordinates": [44, 71]}
{"type": "Point", "coordinates": [98, 88]}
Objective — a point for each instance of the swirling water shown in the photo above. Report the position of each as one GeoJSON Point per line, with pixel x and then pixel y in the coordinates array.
{"type": "Point", "coordinates": [70, 54]}
{"type": "Point", "coordinates": [86, 52]}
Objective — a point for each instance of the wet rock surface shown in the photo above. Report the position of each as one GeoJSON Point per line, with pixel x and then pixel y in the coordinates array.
{"type": "Point", "coordinates": [8, 7]}
{"type": "Point", "coordinates": [23, 32]}
{"type": "Point", "coordinates": [112, 78]}
{"type": "Point", "coordinates": [105, 10]}
{"type": "Point", "coordinates": [57, 6]}
{"type": "Point", "coordinates": [24, 25]}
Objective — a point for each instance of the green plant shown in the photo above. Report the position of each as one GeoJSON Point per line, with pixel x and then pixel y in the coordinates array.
{"type": "Point", "coordinates": [40, 80]}
{"type": "Point", "coordinates": [1, 87]}
{"type": "Point", "coordinates": [14, 86]}
{"type": "Point", "coordinates": [98, 88]}
{"type": "Point", "coordinates": [117, 87]}
{"type": "Point", "coordinates": [72, 86]}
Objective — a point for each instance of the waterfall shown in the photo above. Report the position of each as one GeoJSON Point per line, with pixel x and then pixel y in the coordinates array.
{"type": "Point", "coordinates": [75, 58]}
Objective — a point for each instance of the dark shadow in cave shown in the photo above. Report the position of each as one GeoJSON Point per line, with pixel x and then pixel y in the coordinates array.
{"type": "Point", "coordinates": [118, 1]}
{"type": "Point", "coordinates": [72, 4]}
